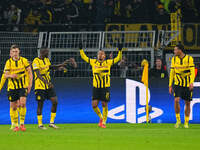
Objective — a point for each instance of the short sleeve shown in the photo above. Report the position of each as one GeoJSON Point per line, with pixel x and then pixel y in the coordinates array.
{"type": "Point", "coordinates": [191, 62]}
{"type": "Point", "coordinates": [26, 63]}
{"type": "Point", "coordinates": [7, 66]}
{"type": "Point", "coordinates": [110, 62]}
{"type": "Point", "coordinates": [35, 64]}
{"type": "Point", "coordinates": [92, 61]}
{"type": "Point", "coordinates": [49, 62]}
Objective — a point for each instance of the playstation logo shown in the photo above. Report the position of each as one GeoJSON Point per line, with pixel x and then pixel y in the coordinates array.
{"type": "Point", "coordinates": [133, 112]}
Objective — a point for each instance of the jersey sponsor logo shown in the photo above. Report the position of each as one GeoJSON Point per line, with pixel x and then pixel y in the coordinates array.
{"type": "Point", "coordinates": [10, 98]}
{"type": "Point", "coordinates": [134, 113]}
{"type": "Point", "coordinates": [96, 67]}
{"type": "Point", "coordinates": [38, 97]}
{"type": "Point", "coordinates": [183, 67]}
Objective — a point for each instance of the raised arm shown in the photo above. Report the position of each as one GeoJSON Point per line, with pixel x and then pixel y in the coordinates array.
{"type": "Point", "coordinates": [83, 55]}
{"type": "Point", "coordinates": [119, 56]}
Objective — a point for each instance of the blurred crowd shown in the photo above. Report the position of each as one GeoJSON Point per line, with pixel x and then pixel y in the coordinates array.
{"type": "Point", "coordinates": [36, 13]}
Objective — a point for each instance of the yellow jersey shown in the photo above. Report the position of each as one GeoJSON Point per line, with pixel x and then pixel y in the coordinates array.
{"type": "Point", "coordinates": [17, 67]}
{"type": "Point", "coordinates": [101, 70]}
{"type": "Point", "coordinates": [3, 80]}
{"type": "Point", "coordinates": [182, 71]}
{"type": "Point", "coordinates": [43, 66]}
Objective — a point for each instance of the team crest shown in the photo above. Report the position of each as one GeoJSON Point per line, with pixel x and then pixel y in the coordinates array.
{"type": "Point", "coordinates": [10, 98]}
{"type": "Point", "coordinates": [38, 97]}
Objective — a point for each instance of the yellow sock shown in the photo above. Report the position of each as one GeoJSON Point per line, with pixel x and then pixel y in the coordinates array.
{"type": "Point", "coordinates": [105, 114]}
{"type": "Point", "coordinates": [53, 115]}
{"type": "Point", "coordinates": [39, 117]}
{"type": "Point", "coordinates": [98, 112]}
{"type": "Point", "coordinates": [186, 119]}
{"type": "Point", "coordinates": [15, 118]}
{"type": "Point", "coordinates": [11, 116]}
{"type": "Point", "coordinates": [22, 113]}
{"type": "Point", "coordinates": [178, 118]}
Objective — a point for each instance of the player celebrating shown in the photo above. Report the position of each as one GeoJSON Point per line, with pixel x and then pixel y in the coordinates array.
{"type": "Point", "coordinates": [182, 72]}
{"type": "Point", "coordinates": [43, 87]}
{"type": "Point", "coordinates": [101, 81]}
{"type": "Point", "coordinates": [18, 87]}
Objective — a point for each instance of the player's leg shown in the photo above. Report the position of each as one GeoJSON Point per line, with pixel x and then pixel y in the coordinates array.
{"type": "Point", "coordinates": [22, 107]}
{"type": "Point", "coordinates": [13, 96]}
{"type": "Point", "coordinates": [13, 106]}
{"type": "Point", "coordinates": [95, 101]}
{"type": "Point", "coordinates": [51, 95]}
{"type": "Point", "coordinates": [39, 114]}
{"type": "Point", "coordinates": [177, 111]}
{"type": "Point", "coordinates": [177, 94]}
{"type": "Point", "coordinates": [11, 115]}
{"type": "Point", "coordinates": [187, 113]}
{"type": "Point", "coordinates": [105, 97]}
{"type": "Point", "coordinates": [22, 112]}
{"type": "Point", "coordinates": [105, 113]}
{"type": "Point", "coordinates": [54, 101]}
{"type": "Point", "coordinates": [97, 111]}
{"type": "Point", "coordinates": [40, 97]}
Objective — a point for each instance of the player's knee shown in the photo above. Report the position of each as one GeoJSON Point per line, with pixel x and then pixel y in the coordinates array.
{"type": "Point", "coordinates": [14, 108]}
{"type": "Point", "coordinates": [23, 105]}
{"type": "Point", "coordinates": [94, 105]}
{"type": "Point", "coordinates": [176, 100]}
{"type": "Point", "coordinates": [55, 102]}
{"type": "Point", "coordinates": [39, 112]}
{"type": "Point", "coordinates": [104, 104]}
{"type": "Point", "coordinates": [187, 103]}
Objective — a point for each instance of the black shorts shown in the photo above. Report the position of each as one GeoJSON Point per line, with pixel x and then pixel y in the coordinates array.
{"type": "Point", "coordinates": [14, 95]}
{"type": "Point", "coordinates": [102, 94]}
{"type": "Point", "coordinates": [42, 95]}
{"type": "Point", "coordinates": [183, 92]}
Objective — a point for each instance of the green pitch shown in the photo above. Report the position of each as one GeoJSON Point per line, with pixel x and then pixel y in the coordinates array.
{"type": "Point", "coordinates": [91, 137]}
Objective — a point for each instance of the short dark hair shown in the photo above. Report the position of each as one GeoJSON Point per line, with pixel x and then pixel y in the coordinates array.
{"type": "Point", "coordinates": [180, 46]}
{"type": "Point", "coordinates": [43, 49]}
{"type": "Point", "coordinates": [14, 46]}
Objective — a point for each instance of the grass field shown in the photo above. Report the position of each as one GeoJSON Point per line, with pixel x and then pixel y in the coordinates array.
{"type": "Point", "coordinates": [91, 137]}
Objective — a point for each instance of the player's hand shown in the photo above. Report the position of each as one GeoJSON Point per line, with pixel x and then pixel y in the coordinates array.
{"type": "Point", "coordinates": [50, 85]}
{"type": "Point", "coordinates": [80, 46]}
{"type": "Point", "coordinates": [191, 87]}
{"type": "Point", "coordinates": [65, 62]}
{"type": "Point", "coordinates": [170, 90]}
{"type": "Point", "coordinates": [14, 76]}
{"type": "Point", "coordinates": [29, 89]}
{"type": "Point", "coordinates": [120, 46]}
{"type": "Point", "coordinates": [111, 55]}
{"type": "Point", "coordinates": [73, 62]}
